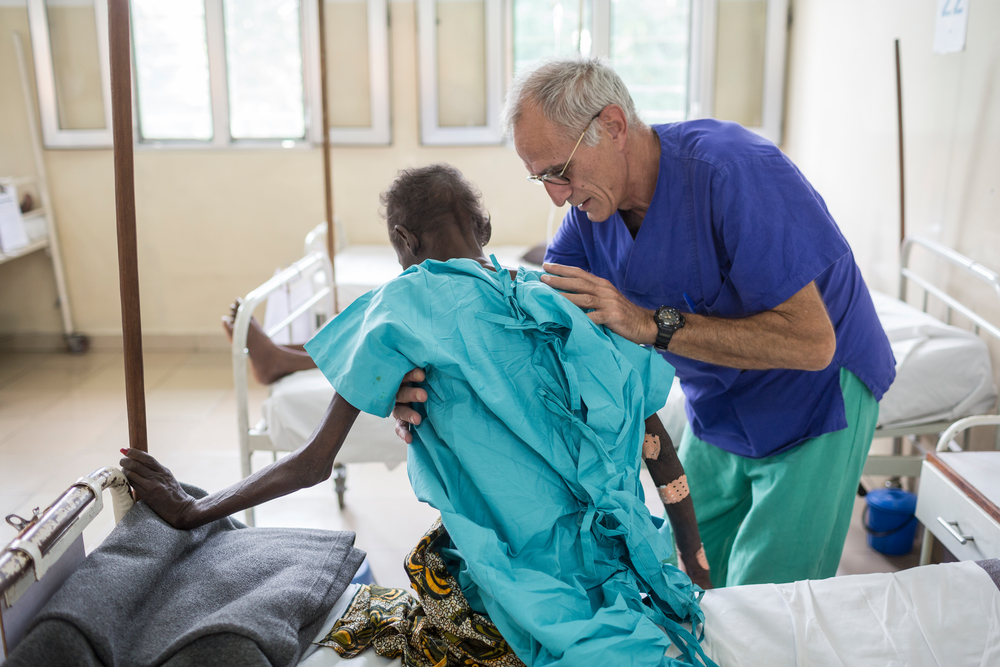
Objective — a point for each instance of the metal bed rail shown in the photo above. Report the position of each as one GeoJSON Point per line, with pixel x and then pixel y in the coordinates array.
{"type": "Point", "coordinates": [42, 540]}
{"type": "Point", "coordinates": [315, 265]}
{"type": "Point", "coordinates": [897, 464]}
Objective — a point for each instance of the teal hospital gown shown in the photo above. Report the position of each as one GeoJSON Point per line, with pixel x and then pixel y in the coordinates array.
{"type": "Point", "coordinates": [529, 446]}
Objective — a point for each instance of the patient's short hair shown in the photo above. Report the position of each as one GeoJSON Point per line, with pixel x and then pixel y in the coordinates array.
{"type": "Point", "coordinates": [424, 199]}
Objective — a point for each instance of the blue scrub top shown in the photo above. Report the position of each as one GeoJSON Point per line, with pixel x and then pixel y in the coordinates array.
{"type": "Point", "coordinates": [736, 227]}
{"type": "Point", "coordinates": [529, 447]}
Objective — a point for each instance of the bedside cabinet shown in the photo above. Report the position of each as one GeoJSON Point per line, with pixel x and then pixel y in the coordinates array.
{"type": "Point", "coordinates": [959, 504]}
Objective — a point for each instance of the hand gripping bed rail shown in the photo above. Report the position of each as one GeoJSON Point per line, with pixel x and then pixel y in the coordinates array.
{"type": "Point", "coordinates": [39, 545]}
{"type": "Point", "coordinates": [304, 268]}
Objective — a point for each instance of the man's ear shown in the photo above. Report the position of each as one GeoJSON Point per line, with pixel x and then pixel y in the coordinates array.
{"type": "Point", "coordinates": [407, 238]}
{"type": "Point", "coordinates": [615, 123]}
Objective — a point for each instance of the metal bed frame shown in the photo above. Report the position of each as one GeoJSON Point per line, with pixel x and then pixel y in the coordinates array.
{"type": "Point", "coordinates": [51, 542]}
{"type": "Point", "coordinates": [897, 464]}
{"type": "Point", "coordinates": [314, 267]}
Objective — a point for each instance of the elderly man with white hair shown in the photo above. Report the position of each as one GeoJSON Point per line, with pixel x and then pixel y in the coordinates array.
{"type": "Point", "coordinates": [702, 239]}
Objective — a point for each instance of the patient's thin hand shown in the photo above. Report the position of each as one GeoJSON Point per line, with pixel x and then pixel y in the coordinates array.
{"type": "Point", "coordinates": [404, 414]}
{"type": "Point", "coordinates": [157, 487]}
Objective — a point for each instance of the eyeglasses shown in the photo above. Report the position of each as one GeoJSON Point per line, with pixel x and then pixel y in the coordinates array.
{"type": "Point", "coordinates": [559, 179]}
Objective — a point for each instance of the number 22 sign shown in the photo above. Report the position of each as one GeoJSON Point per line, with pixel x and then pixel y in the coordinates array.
{"type": "Point", "coordinates": [950, 25]}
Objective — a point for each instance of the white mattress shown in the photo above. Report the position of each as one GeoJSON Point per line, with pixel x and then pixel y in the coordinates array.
{"type": "Point", "coordinates": [926, 616]}
{"type": "Point", "coordinates": [296, 406]}
{"type": "Point", "coordinates": [943, 372]}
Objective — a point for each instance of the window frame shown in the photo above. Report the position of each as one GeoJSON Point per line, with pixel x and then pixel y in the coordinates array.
{"type": "Point", "coordinates": [704, 31]}
{"type": "Point", "coordinates": [45, 81]}
{"type": "Point", "coordinates": [378, 133]}
{"type": "Point", "coordinates": [701, 64]}
{"type": "Point", "coordinates": [433, 134]}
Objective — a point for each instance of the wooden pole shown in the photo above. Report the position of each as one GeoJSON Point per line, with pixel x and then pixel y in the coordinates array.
{"type": "Point", "coordinates": [128, 264]}
{"type": "Point", "coordinates": [331, 229]}
{"type": "Point", "coordinates": [899, 116]}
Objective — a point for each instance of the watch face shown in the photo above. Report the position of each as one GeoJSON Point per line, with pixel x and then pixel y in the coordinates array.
{"type": "Point", "coordinates": [668, 317]}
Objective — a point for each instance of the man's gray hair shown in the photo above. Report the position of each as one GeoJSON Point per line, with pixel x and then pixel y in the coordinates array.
{"type": "Point", "coordinates": [569, 92]}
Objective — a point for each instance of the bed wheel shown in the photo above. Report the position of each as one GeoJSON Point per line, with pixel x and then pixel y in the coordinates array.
{"type": "Point", "coordinates": [340, 482]}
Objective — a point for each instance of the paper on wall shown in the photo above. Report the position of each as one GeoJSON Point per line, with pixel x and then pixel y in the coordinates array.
{"type": "Point", "coordinates": [12, 233]}
{"type": "Point", "coordinates": [950, 26]}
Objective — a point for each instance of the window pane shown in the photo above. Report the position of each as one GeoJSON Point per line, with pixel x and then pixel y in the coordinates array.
{"type": "Point", "coordinates": [76, 64]}
{"type": "Point", "coordinates": [264, 62]}
{"type": "Point", "coordinates": [739, 61]}
{"type": "Point", "coordinates": [649, 49]}
{"type": "Point", "coordinates": [461, 63]}
{"type": "Point", "coordinates": [348, 85]}
{"type": "Point", "coordinates": [549, 29]}
{"type": "Point", "coordinates": [171, 64]}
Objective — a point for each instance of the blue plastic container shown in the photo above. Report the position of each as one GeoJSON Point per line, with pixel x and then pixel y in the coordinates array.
{"type": "Point", "coordinates": [889, 521]}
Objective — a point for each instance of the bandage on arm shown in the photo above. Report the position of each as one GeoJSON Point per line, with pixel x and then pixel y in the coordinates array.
{"type": "Point", "coordinates": [671, 484]}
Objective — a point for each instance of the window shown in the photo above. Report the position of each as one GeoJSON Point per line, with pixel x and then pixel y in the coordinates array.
{"type": "Point", "coordinates": [357, 64]}
{"type": "Point", "coordinates": [69, 40]}
{"type": "Point", "coordinates": [461, 71]}
{"type": "Point", "coordinates": [216, 72]}
{"type": "Point", "coordinates": [739, 72]}
{"type": "Point", "coordinates": [679, 58]}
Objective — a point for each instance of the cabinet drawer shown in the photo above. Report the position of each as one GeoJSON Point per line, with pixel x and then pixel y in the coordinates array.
{"type": "Point", "coordinates": [940, 498]}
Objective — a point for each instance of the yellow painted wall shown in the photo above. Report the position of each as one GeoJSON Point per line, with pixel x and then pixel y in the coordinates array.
{"type": "Point", "coordinates": [213, 224]}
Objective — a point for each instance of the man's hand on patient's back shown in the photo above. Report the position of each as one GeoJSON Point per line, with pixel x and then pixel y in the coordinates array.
{"type": "Point", "coordinates": [404, 414]}
{"type": "Point", "coordinates": [157, 487]}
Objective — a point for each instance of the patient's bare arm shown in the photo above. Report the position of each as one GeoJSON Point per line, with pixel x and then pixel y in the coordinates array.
{"type": "Point", "coordinates": [671, 483]}
{"type": "Point", "coordinates": [307, 466]}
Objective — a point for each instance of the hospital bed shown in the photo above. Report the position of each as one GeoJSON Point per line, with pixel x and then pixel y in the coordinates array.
{"type": "Point", "coordinates": [943, 372]}
{"type": "Point", "coordinates": [929, 615]}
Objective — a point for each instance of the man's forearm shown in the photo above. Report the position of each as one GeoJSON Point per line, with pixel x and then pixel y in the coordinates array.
{"type": "Point", "coordinates": [797, 335]}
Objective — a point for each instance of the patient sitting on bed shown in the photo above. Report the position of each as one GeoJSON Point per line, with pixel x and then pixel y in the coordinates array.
{"type": "Point", "coordinates": [529, 445]}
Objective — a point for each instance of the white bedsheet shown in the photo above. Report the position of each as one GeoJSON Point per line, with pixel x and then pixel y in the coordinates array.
{"type": "Point", "coordinates": [296, 406]}
{"type": "Point", "coordinates": [937, 615]}
{"type": "Point", "coordinates": [943, 372]}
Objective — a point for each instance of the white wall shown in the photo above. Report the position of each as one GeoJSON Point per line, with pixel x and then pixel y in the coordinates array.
{"type": "Point", "coordinates": [841, 130]}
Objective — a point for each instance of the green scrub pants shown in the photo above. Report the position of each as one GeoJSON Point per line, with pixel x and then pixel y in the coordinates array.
{"type": "Point", "coordinates": [785, 517]}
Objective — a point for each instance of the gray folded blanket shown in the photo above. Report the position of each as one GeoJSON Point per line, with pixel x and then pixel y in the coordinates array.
{"type": "Point", "coordinates": [150, 591]}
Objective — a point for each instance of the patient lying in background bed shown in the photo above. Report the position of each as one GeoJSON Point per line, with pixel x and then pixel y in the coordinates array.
{"type": "Point", "coordinates": [529, 445]}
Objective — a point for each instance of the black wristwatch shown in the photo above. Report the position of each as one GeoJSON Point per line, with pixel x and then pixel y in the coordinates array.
{"type": "Point", "coordinates": [668, 321]}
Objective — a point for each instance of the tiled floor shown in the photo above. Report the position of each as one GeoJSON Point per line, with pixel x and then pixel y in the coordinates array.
{"type": "Point", "coordinates": [63, 416]}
